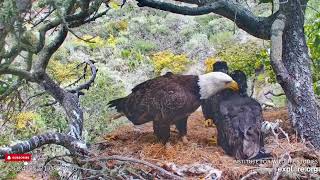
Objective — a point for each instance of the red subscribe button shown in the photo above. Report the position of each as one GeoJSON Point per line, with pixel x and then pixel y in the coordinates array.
{"type": "Point", "coordinates": [17, 157]}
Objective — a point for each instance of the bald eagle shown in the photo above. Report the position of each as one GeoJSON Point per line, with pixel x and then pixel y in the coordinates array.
{"type": "Point", "coordinates": [238, 119]}
{"type": "Point", "coordinates": [170, 99]}
{"type": "Point", "coordinates": [210, 106]}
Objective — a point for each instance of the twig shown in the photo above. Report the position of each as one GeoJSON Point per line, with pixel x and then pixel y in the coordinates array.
{"type": "Point", "coordinates": [48, 104]}
{"type": "Point", "coordinates": [135, 174]}
{"type": "Point", "coordinates": [273, 94]}
{"type": "Point", "coordinates": [249, 175]}
{"type": "Point", "coordinates": [86, 85]}
{"type": "Point", "coordinates": [276, 172]}
{"type": "Point", "coordinates": [81, 77]}
{"type": "Point", "coordinates": [52, 158]}
{"type": "Point", "coordinates": [44, 18]}
{"type": "Point", "coordinates": [133, 160]}
{"type": "Point", "coordinates": [252, 85]}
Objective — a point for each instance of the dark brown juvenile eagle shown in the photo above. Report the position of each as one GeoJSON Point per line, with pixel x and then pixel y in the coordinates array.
{"type": "Point", "coordinates": [170, 99]}
{"type": "Point", "coordinates": [238, 119]}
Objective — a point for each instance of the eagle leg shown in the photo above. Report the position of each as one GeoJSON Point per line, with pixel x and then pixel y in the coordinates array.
{"type": "Point", "coordinates": [181, 125]}
{"type": "Point", "coordinates": [161, 130]}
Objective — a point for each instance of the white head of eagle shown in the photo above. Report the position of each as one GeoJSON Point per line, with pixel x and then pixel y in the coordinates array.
{"type": "Point", "coordinates": [213, 82]}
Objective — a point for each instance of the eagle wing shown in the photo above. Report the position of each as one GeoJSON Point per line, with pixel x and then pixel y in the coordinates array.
{"type": "Point", "coordinates": [146, 84]}
{"type": "Point", "coordinates": [211, 106]}
{"type": "Point", "coordinates": [161, 96]}
{"type": "Point", "coordinates": [240, 126]}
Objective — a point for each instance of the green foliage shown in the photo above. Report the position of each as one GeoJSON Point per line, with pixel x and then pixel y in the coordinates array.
{"type": "Point", "coordinates": [8, 10]}
{"type": "Point", "coordinates": [168, 60]}
{"type": "Point", "coordinates": [23, 118]}
{"type": "Point", "coordinates": [144, 46]}
{"type": "Point", "coordinates": [209, 63]}
{"type": "Point", "coordinates": [52, 119]}
{"type": "Point", "coordinates": [112, 41]}
{"type": "Point", "coordinates": [9, 171]}
{"type": "Point", "coordinates": [247, 57]}
{"type": "Point", "coordinates": [97, 113]}
{"type": "Point", "coordinates": [133, 56]}
{"type": "Point", "coordinates": [4, 140]}
{"type": "Point", "coordinates": [221, 38]}
{"type": "Point", "coordinates": [312, 31]}
{"type": "Point", "coordinates": [117, 27]}
{"type": "Point", "coordinates": [5, 84]}
{"type": "Point", "coordinates": [90, 42]}
{"type": "Point", "coordinates": [204, 20]}
{"type": "Point", "coordinates": [63, 72]}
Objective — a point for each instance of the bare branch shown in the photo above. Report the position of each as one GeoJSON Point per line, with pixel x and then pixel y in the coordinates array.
{"type": "Point", "coordinates": [18, 72]}
{"type": "Point", "coordinates": [87, 84]}
{"type": "Point", "coordinates": [245, 19]}
{"type": "Point", "coordinates": [273, 94]}
{"type": "Point", "coordinates": [44, 18]}
{"type": "Point", "coordinates": [68, 101]}
{"type": "Point", "coordinates": [48, 51]}
{"type": "Point", "coordinates": [72, 144]}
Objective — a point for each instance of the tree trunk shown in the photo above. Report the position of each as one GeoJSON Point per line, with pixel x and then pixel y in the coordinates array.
{"type": "Point", "coordinates": [302, 105]}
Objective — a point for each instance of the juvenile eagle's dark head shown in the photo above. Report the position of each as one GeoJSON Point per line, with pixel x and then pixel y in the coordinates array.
{"type": "Point", "coordinates": [241, 78]}
{"type": "Point", "coordinates": [220, 66]}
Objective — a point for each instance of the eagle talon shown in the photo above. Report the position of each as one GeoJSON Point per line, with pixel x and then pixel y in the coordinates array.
{"type": "Point", "coordinates": [213, 140]}
{"type": "Point", "coordinates": [208, 123]}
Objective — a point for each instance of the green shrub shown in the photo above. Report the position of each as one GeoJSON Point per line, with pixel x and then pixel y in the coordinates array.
{"type": "Point", "coordinates": [95, 101]}
{"type": "Point", "coordinates": [247, 57]}
{"type": "Point", "coordinates": [313, 41]}
{"type": "Point", "coordinates": [144, 46]}
{"type": "Point", "coordinates": [168, 60]}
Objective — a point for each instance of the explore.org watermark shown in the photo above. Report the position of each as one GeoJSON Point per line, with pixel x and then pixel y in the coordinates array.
{"type": "Point", "coordinates": [294, 165]}
{"type": "Point", "coordinates": [299, 169]}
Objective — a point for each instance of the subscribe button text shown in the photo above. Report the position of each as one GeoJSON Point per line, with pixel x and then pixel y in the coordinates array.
{"type": "Point", "coordinates": [17, 157]}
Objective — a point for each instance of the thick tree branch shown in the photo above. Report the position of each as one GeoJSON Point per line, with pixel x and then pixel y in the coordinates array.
{"type": "Point", "coordinates": [282, 73]}
{"type": "Point", "coordinates": [68, 101]}
{"type": "Point", "coordinates": [245, 19]}
{"type": "Point", "coordinates": [48, 51]}
{"type": "Point", "coordinates": [18, 72]}
{"type": "Point", "coordinates": [72, 144]}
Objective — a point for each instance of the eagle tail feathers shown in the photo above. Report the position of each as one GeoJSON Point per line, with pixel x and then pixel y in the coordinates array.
{"type": "Point", "coordinates": [118, 104]}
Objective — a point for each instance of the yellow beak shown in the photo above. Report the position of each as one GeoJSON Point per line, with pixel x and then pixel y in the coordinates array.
{"type": "Point", "coordinates": [233, 85]}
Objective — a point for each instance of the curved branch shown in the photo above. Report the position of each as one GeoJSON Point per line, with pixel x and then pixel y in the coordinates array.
{"type": "Point", "coordinates": [281, 71]}
{"type": "Point", "coordinates": [72, 144]}
{"type": "Point", "coordinates": [68, 101]}
{"type": "Point", "coordinates": [86, 85]}
{"type": "Point", "coordinates": [245, 19]}
{"type": "Point", "coordinates": [273, 94]}
{"type": "Point", "coordinates": [48, 51]}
